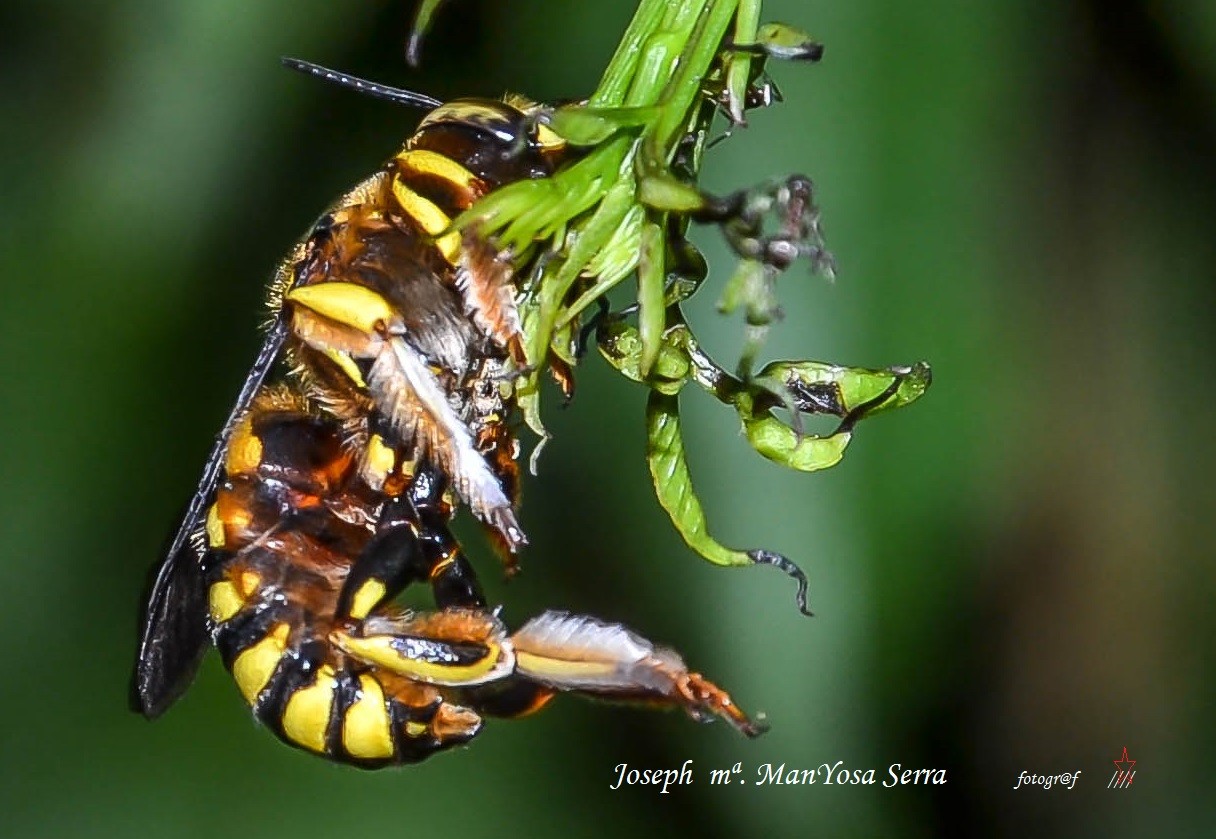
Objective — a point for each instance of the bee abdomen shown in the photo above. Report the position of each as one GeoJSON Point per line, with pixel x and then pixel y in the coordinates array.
{"type": "Point", "coordinates": [363, 718]}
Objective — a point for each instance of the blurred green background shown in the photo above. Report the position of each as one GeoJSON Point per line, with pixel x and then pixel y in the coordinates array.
{"type": "Point", "coordinates": [1013, 575]}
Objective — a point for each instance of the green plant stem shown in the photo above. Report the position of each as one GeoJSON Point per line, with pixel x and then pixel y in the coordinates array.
{"type": "Point", "coordinates": [621, 69]}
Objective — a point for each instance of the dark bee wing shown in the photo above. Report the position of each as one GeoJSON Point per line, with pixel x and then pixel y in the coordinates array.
{"type": "Point", "coordinates": [173, 635]}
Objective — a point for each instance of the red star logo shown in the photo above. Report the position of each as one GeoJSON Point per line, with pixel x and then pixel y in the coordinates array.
{"type": "Point", "coordinates": [1124, 764]}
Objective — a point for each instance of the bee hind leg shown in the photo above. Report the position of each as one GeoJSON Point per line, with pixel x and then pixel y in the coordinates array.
{"type": "Point", "coordinates": [579, 654]}
{"type": "Point", "coordinates": [452, 648]}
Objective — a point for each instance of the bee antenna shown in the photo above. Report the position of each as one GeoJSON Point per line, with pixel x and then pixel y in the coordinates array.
{"type": "Point", "coordinates": [379, 91]}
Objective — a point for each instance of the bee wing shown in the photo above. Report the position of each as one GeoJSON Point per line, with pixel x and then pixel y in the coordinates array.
{"type": "Point", "coordinates": [173, 633]}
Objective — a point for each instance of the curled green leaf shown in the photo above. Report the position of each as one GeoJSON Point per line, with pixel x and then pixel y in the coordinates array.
{"type": "Point", "coordinates": [673, 487]}
{"type": "Point", "coordinates": [779, 443]}
{"type": "Point", "coordinates": [780, 40]}
{"type": "Point", "coordinates": [673, 482]}
{"type": "Point", "coordinates": [621, 346]}
{"type": "Point", "coordinates": [830, 388]}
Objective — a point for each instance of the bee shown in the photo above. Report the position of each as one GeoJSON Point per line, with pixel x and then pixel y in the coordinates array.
{"type": "Point", "coordinates": [301, 564]}
{"type": "Point", "coordinates": [326, 497]}
{"type": "Point", "coordinates": [425, 373]}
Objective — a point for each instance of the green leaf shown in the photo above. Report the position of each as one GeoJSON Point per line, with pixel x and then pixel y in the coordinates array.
{"type": "Point", "coordinates": [673, 482]}
{"type": "Point", "coordinates": [611, 264]}
{"type": "Point", "coordinates": [527, 388]}
{"type": "Point", "coordinates": [686, 269]}
{"type": "Point", "coordinates": [422, 23]}
{"type": "Point", "coordinates": [652, 314]}
{"type": "Point", "coordinates": [580, 125]}
{"type": "Point", "coordinates": [739, 64]}
{"type": "Point", "coordinates": [852, 387]}
{"type": "Point", "coordinates": [559, 275]}
{"type": "Point", "coordinates": [666, 194]}
{"type": "Point", "coordinates": [780, 40]}
{"type": "Point", "coordinates": [621, 346]}
{"type": "Point", "coordinates": [623, 66]}
{"type": "Point", "coordinates": [781, 444]}
{"type": "Point", "coordinates": [673, 487]}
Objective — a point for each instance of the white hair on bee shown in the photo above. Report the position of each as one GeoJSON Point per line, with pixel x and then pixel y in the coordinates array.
{"type": "Point", "coordinates": [628, 662]}
{"type": "Point", "coordinates": [418, 408]}
{"type": "Point", "coordinates": [561, 633]}
{"type": "Point", "coordinates": [396, 620]}
{"type": "Point", "coordinates": [390, 623]}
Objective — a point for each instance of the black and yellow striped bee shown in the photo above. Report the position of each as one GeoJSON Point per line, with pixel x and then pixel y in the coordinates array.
{"type": "Point", "coordinates": [326, 496]}
{"type": "Point", "coordinates": [302, 563]}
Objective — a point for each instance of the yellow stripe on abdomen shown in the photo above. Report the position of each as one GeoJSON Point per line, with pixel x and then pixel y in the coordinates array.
{"type": "Point", "coordinates": [217, 535]}
{"type": "Point", "coordinates": [254, 666]}
{"type": "Point", "coordinates": [306, 715]}
{"type": "Point", "coordinates": [224, 601]}
{"type": "Point", "coordinates": [244, 449]}
{"type": "Point", "coordinates": [367, 730]}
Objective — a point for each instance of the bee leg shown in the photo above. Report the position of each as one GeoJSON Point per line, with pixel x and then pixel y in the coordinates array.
{"type": "Point", "coordinates": [510, 698]}
{"type": "Point", "coordinates": [391, 561]}
{"type": "Point", "coordinates": [579, 654]}
{"type": "Point", "coordinates": [412, 544]}
{"type": "Point", "coordinates": [453, 580]}
{"type": "Point", "coordinates": [452, 648]}
{"type": "Point", "coordinates": [592, 327]}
